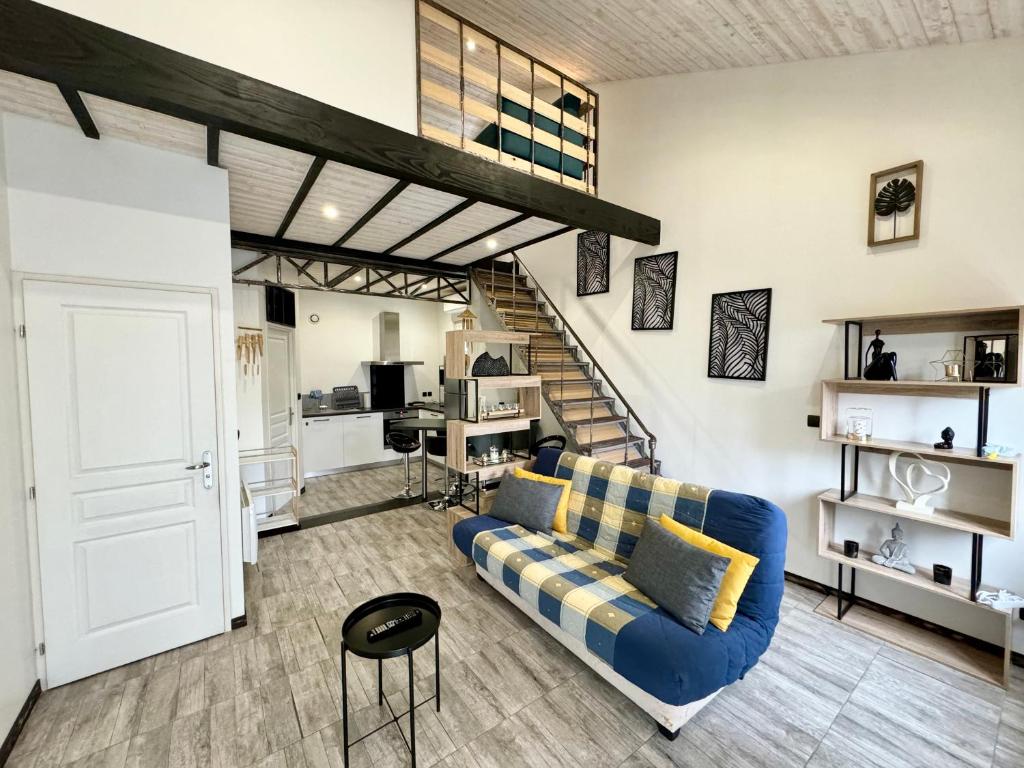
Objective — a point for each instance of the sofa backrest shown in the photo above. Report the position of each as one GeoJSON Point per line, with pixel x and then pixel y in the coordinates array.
{"type": "Point", "coordinates": [609, 503]}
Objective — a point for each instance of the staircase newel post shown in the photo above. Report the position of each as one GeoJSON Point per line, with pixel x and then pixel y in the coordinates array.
{"type": "Point", "coordinates": [561, 364]}
{"type": "Point", "coordinates": [625, 441]}
{"type": "Point", "coordinates": [652, 442]}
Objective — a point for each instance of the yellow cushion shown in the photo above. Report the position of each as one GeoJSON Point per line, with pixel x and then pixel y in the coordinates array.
{"type": "Point", "coordinates": [741, 565]}
{"type": "Point", "coordinates": [562, 512]}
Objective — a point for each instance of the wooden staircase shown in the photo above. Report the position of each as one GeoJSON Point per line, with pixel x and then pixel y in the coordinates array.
{"type": "Point", "coordinates": [588, 413]}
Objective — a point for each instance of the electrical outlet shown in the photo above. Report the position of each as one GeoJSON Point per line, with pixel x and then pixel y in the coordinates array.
{"type": "Point", "coordinates": [813, 420]}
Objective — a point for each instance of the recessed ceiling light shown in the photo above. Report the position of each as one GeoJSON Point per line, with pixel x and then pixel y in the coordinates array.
{"type": "Point", "coordinates": [491, 243]}
{"type": "Point", "coordinates": [330, 212]}
{"type": "Point", "coordinates": [359, 278]}
{"type": "Point", "coordinates": [471, 45]}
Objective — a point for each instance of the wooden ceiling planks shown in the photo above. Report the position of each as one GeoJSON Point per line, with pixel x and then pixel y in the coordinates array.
{"type": "Point", "coordinates": [602, 40]}
{"type": "Point", "coordinates": [33, 98]}
{"type": "Point", "coordinates": [405, 214]}
{"type": "Point", "coordinates": [339, 197]}
{"type": "Point", "coordinates": [508, 238]}
{"type": "Point", "coordinates": [262, 179]}
{"type": "Point", "coordinates": [476, 219]}
{"type": "Point", "coordinates": [142, 126]}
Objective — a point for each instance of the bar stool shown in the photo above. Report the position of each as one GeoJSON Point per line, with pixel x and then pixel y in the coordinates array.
{"type": "Point", "coordinates": [437, 445]}
{"type": "Point", "coordinates": [402, 442]}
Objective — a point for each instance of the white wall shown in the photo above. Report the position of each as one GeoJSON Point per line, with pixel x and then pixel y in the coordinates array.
{"type": "Point", "coordinates": [118, 211]}
{"type": "Point", "coordinates": [17, 662]}
{"type": "Point", "coordinates": [759, 177]}
{"type": "Point", "coordinates": [353, 54]}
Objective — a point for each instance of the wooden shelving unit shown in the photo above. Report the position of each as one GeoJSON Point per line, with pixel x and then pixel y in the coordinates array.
{"type": "Point", "coordinates": [967, 321]}
{"type": "Point", "coordinates": [458, 366]}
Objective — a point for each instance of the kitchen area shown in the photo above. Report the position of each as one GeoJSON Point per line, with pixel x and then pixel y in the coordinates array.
{"type": "Point", "coordinates": [337, 375]}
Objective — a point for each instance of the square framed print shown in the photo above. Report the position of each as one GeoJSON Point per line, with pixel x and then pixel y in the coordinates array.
{"type": "Point", "coordinates": [592, 263]}
{"type": "Point", "coordinates": [654, 292]}
{"type": "Point", "coordinates": [894, 204]}
{"type": "Point", "coordinates": [738, 343]}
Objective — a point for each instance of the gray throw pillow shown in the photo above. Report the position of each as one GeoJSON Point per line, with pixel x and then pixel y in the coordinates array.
{"type": "Point", "coordinates": [526, 502]}
{"type": "Point", "coordinates": [679, 577]}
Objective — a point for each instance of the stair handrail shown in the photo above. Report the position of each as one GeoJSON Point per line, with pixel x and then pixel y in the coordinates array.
{"type": "Point", "coordinates": [652, 440]}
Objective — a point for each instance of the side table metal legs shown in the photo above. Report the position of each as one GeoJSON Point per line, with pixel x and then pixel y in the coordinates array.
{"type": "Point", "coordinates": [380, 695]}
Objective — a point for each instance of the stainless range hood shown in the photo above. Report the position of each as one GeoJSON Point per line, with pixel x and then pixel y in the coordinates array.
{"type": "Point", "coordinates": [386, 344]}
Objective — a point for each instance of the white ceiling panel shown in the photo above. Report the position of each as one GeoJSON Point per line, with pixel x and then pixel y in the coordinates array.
{"type": "Point", "coordinates": [263, 181]}
{"type": "Point", "coordinates": [471, 222]}
{"type": "Point", "coordinates": [412, 209]}
{"type": "Point", "coordinates": [507, 238]}
{"type": "Point", "coordinates": [34, 98]}
{"type": "Point", "coordinates": [343, 191]}
{"type": "Point", "coordinates": [142, 126]}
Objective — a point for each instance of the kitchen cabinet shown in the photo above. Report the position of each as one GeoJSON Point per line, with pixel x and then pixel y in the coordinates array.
{"type": "Point", "coordinates": [363, 438]}
{"type": "Point", "coordinates": [323, 446]}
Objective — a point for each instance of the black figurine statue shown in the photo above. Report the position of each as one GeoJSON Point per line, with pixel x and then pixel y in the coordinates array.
{"type": "Point", "coordinates": [882, 365]}
{"type": "Point", "coordinates": [947, 436]}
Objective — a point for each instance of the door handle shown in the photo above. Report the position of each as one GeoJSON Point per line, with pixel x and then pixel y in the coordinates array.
{"type": "Point", "coordinates": [207, 466]}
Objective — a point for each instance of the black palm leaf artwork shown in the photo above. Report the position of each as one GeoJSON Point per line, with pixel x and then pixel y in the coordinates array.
{"type": "Point", "coordinates": [592, 263]}
{"type": "Point", "coordinates": [895, 197]}
{"type": "Point", "coordinates": [654, 292]}
{"type": "Point", "coordinates": [738, 348]}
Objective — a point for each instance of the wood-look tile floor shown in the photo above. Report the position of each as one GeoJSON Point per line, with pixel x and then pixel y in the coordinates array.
{"type": "Point", "coordinates": [347, 490]}
{"type": "Point", "coordinates": [268, 694]}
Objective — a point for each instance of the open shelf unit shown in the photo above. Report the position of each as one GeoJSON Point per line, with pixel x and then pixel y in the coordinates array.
{"type": "Point", "coordinates": [262, 489]}
{"type": "Point", "coordinates": [991, 320]}
{"type": "Point", "coordinates": [458, 367]}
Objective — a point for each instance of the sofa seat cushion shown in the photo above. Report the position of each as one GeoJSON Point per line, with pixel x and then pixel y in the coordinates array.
{"type": "Point", "coordinates": [464, 531]}
{"type": "Point", "coordinates": [583, 593]}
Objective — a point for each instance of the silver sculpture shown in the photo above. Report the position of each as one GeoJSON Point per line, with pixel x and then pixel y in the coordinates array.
{"type": "Point", "coordinates": [894, 553]}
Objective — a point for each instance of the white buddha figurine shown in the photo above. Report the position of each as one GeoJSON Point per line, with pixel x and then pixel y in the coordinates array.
{"type": "Point", "coordinates": [894, 553]}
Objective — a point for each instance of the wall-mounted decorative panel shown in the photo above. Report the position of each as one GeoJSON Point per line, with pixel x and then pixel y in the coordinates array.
{"type": "Point", "coordinates": [480, 94]}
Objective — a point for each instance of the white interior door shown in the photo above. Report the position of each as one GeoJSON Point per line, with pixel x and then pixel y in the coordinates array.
{"type": "Point", "coordinates": [122, 398]}
{"type": "Point", "coordinates": [281, 400]}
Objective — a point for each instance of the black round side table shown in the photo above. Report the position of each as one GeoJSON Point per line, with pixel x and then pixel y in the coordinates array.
{"type": "Point", "coordinates": [355, 639]}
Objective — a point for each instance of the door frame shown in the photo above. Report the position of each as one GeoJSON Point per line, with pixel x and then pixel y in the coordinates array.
{"type": "Point", "coordinates": [18, 280]}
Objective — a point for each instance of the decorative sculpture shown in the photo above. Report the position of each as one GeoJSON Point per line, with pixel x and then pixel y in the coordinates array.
{"type": "Point", "coordinates": [894, 553]}
{"type": "Point", "coordinates": [917, 498]}
{"type": "Point", "coordinates": [882, 365]}
{"type": "Point", "coordinates": [947, 436]}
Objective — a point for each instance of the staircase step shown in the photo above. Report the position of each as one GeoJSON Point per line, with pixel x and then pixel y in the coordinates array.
{"type": "Point", "coordinates": [613, 443]}
{"type": "Point", "coordinates": [557, 375]}
{"type": "Point", "coordinates": [597, 421]}
{"type": "Point", "coordinates": [634, 458]}
{"type": "Point", "coordinates": [555, 365]}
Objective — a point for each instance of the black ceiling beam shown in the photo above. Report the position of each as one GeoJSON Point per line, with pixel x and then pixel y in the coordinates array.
{"type": "Point", "coordinates": [477, 238]}
{"type": "Point", "coordinates": [342, 277]}
{"type": "Point", "coordinates": [47, 44]}
{"type": "Point", "coordinates": [212, 146]}
{"type": "Point", "coordinates": [450, 213]}
{"type": "Point", "coordinates": [527, 244]}
{"type": "Point", "coordinates": [300, 196]}
{"type": "Point", "coordinates": [342, 255]}
{"type": "Point", "coordinates": [79, 110]}
{"type": "Point", "coordinates": [376, 208]}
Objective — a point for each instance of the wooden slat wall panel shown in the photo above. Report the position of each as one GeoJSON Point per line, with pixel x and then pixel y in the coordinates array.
{"type": "Point", "coordinates": [512, 236]}
{"type": "Point", "coordinates": [350, 191]}
{"type": "Point", "coordinates": [601, 40]}
{"type": "Point", "coordinates": [263, 180]}
{"type": "Point", "coordinates": [34, 98]}
{"type": "Point", "coordinates": [142, 126]}
{"type": "Point", "coordinates": [412, 209]}
{"type": "Point", "coordinates": [474, 220]}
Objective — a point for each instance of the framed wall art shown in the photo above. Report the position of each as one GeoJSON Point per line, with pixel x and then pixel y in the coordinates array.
{"type": "Point", "coordinates": [592, 263]}
{"type": "Point", "coordinates": [654, 292]}
{"type": "Point", "coordinates": [894, 204]}
{"type": "Point", "coordinates": [738, 344]}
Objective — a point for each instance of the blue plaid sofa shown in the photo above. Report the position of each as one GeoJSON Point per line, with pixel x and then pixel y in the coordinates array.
{"type": "Point", "coordinates": [571, 583]}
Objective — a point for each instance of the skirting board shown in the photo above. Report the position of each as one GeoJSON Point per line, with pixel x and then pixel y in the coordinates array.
{"type": "Point", "coordinates": [19, 723]}
{"type": "Point", "coordinates": [239, 621]}
{"type": "Point", "coordinates": [664, 714]}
